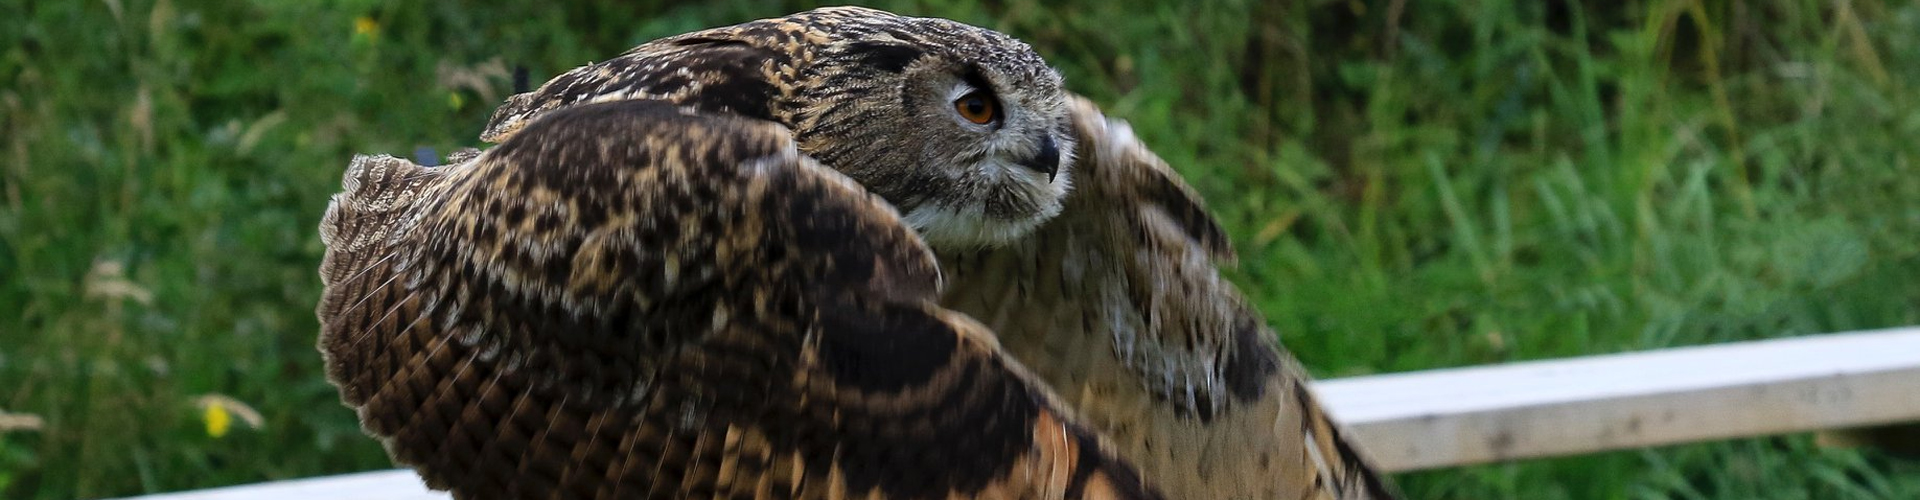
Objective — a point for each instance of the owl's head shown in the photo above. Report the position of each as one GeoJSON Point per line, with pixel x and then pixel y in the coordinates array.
{"type": "Point", "coordinates": [963, 129]}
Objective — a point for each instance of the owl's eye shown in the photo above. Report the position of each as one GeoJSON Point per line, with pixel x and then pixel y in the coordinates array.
{"type": "Point", "coordinates": [978, 107]}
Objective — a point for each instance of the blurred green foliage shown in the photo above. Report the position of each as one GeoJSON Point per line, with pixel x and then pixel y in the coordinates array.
{"type": "Point", "coordinates": [1410, 185]}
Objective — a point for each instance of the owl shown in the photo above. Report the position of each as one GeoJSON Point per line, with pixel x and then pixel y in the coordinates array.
{"type": "Point", "coordinates": [838, 254]}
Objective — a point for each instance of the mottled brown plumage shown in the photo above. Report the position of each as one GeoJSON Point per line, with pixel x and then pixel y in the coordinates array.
{"type": "Point", "coordinates": [1118, 305]}
{"type": "Point", "coordinates": [625, 301]}
{"type": "Point", "coordinates": [868, 93]}
{"type": "Point", "coordinates": [617, 284]}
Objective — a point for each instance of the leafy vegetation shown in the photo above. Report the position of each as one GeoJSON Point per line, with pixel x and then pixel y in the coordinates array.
{"type": "Point", "coordinates": [1410, 184]}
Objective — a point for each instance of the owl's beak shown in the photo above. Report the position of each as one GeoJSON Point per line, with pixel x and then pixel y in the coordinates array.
{"type": "Point", "coordinates": [1047, 160]}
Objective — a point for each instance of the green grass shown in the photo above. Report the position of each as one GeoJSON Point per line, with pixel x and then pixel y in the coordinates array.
{"type": "Point", "coordinates": [1411, 185]}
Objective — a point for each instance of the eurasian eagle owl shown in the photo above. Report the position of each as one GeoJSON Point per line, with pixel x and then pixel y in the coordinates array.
{"type": "Point", "coordinates": [839, 254]}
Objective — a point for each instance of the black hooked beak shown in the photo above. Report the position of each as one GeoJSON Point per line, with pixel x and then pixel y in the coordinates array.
{"type": "Point", "coordinates": [1047, 160]}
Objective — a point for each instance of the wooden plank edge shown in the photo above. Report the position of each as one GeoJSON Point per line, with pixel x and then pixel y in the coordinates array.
{"type": "Point", "coordinates": [396, 484]}
{"type": "Point", "coordinates": [1882, 391]}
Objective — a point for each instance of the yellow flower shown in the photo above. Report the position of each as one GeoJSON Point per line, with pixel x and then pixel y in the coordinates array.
{"type": "Point", "coordinates": [218, 420]}
{"type": "Point", "coordinates": [364, 25]}
{"type": "Point", "coordinates": [218, 412]}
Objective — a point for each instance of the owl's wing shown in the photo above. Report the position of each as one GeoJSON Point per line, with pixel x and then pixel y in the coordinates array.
{"type": "Point", "coordinates": [726, 70]}
{"type": "Point", "coordinates": [1118, 305]}
{"type": "Point", "coordinates": [626, 301]}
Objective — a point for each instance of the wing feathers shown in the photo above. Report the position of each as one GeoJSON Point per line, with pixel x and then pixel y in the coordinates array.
{"type": "Point", "coordinates": [624, 300]}
{"type": "Point", "coordinates": [1123, 166]}
{"type": "Point", "coordinates": [1119, 304]}
{"type": "Point", "coordinates": [716, 70]}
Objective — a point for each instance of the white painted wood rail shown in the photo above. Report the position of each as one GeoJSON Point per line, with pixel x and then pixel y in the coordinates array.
{"type": "Point", "coordinates": [1461, 416]}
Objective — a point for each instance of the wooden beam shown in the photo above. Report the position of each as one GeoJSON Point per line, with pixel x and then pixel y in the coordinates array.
{"type": "Point", "coordinates": [377, 485]}
{"type": "Point", "coordinates": [1450, 417]}
{"type": "Point", "coordinates": [1461, 416]}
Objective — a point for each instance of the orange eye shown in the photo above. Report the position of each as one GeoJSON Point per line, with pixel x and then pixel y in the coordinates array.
{"type": "Point", "coordinates": [977, 107]}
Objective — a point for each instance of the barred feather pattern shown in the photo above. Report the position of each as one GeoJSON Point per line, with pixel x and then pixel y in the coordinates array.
{"type": "Point", "coordinates": [627, 300]}
{"type": "Point", "coordinates": [1119, 305]}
